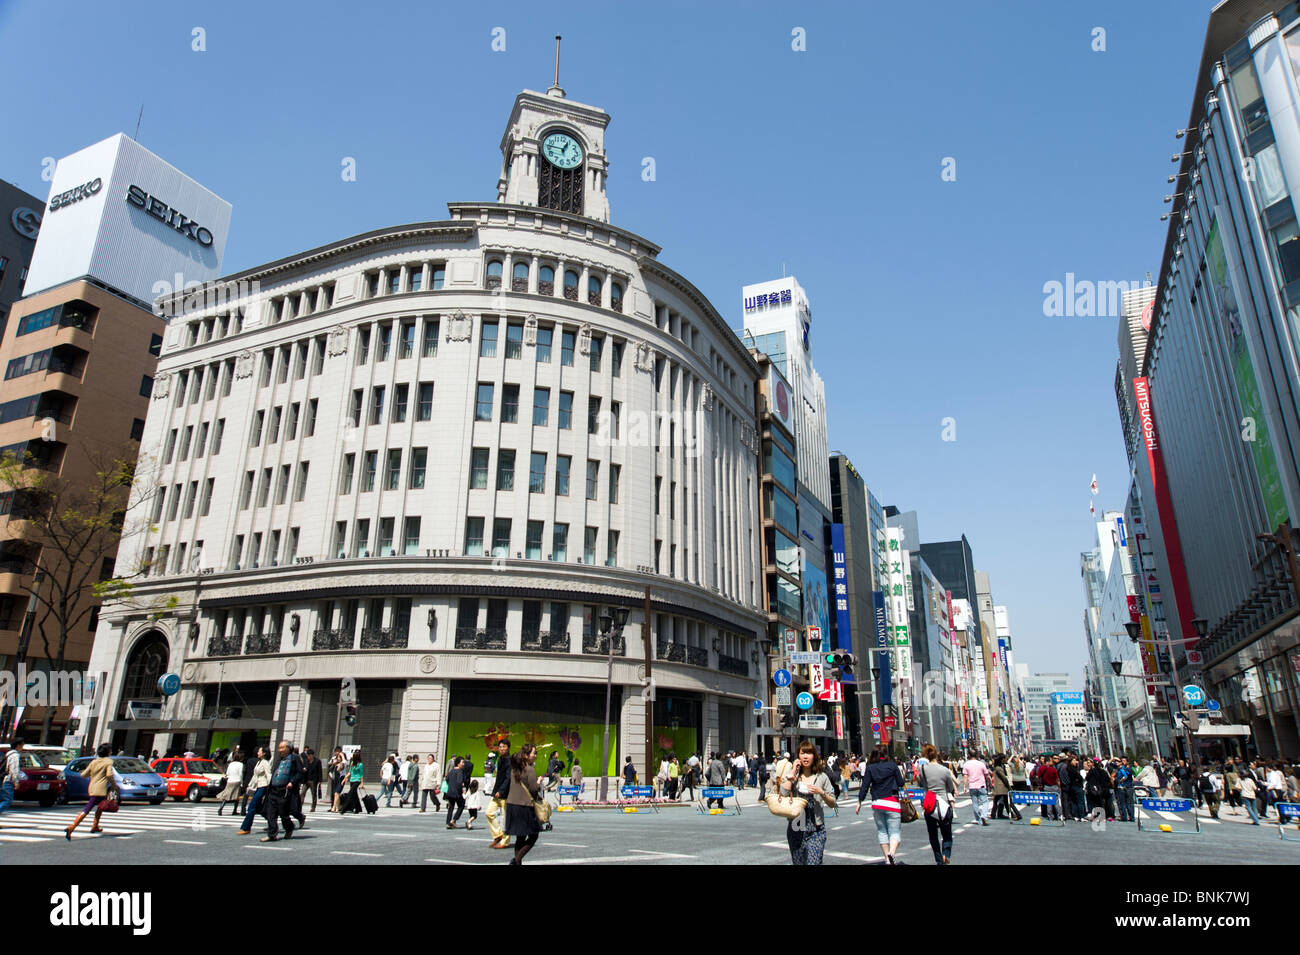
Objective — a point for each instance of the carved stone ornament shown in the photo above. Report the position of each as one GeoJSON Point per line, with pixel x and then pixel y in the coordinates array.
{"type": "Point", "coordinates": [189, 671]}
{"type": "Point", "coordinates": [290, 666]}
{"type": "Point", "coordinates": [338, 341]}
{"type": "Point", "coordinates": [706, 398]}
{"type": "Point", "coordinates": [244, 364]}
{"type": "Point", "coordinates": [645, 357]}
{"type": "Point", "coordinates": [162, 386]}
{"type": "Point", "coordinates": [459, 328]}
{"type": "Point", "coordinates": [584, 340]}
{"type": "Point", "coordinates": [428, 663]}
{"type": "Point", "coordinates": [530, 330]}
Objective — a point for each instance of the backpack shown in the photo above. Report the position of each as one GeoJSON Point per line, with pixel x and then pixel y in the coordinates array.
{"type": "Point", "coordinates": [1206, 784]}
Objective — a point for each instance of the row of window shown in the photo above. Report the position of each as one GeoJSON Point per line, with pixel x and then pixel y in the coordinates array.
{"type": "Point", "coordinates": [383, 540]}
{"type": "Point", "coordinates": [533, 537]}
{"type": "Point", "coordinates": [396, 279]}
{"type": "Point", "coordinates": [169, 502]}
{"type": "Point", "coordinates": [281, 481]}
{"type": "Point", "coordinates": [505, 476]}
{"type": "Point", "coordinates": [521, 274]}
{"type": "Point", "coordinates": [186, 439]}
{"type": "Point", "coordinates": [382, 338]}
{"type": "Point", "coordinates": [271, 425]}
{"type": "Point", "coordinates": [485, 396]}
{"type": "Point", "coordinates": [400, 406]}
{"type": "Point", "coordinates": [279, 360]}
{"type": "Point", "coordinates": [392, 470]}
{"type": "Point", "coordinates": [74, 314]}
{"type": "Point", "coordinates": [218, 326]}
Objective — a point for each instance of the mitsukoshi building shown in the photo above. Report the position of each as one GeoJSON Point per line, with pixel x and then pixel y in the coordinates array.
{"type": "Point", "coordinates": [429, 458]}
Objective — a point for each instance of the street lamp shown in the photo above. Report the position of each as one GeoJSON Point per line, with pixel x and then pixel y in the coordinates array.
{"type": "Point", "coordinates": [615, 621]}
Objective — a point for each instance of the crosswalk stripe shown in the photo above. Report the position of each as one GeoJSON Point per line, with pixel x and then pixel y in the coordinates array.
{"type": "Point", "coordinates": [4, 838]}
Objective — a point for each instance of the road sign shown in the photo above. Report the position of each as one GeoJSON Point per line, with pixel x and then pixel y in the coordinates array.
{"type": "Point", "coordinates": [1195, 658]}
{"type": "Point", "coordinates": [812, 722]}
{"type": "Point", "coordinates": [875, 714]}
{"type": "Point", "coordinates": [805, 656]}
{"type": "Point", "coordinates": [758, 706]}
{"type": "Point", "coordinates": [783, 695]}
{"type": "Point", "coordinates": [169, 684]}
{"type": "Point", "coordinates": [816, 680]}
{"type": "Point", "coordinates": [804, 701]}
{"type": "Point", "coordinates": [1193, 695]}
{"type": "Point", "coordinates": [782, 678]}
{"type": "Point", "coordinates": [1212, 705]}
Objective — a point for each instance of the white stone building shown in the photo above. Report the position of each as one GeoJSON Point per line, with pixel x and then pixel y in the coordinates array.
{"type": "Point", "coordinates": [426, 459]}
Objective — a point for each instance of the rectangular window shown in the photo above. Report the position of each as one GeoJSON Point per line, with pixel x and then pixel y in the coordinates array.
{"type": "Point", "coordinates": [227, 376]}
{"type": "Point", "coordinates": [544, 338]}
{"type": "Point", "coordinates": [160, 496]}
{"type": "Point", "coordinates": [394, 283]}
{"type": "Point", "coordinates": [593, 414]}
{"type": "Point", "coordinates": [566, 349]}
{"type": "Point", "coordinates": [214, 372]}
{"type": "Point", "coordinates": [385, 342]}
{"type": "Point", "coordinates": [318, 356]}
{"type": "Point", "coordinates": [419, 461]}
{"type": "Point", "coordinates": [206, 504]}
{"type": "Point", "coordinates": [615, 470]}
{"type": "Point", "coordinates": [541, 405]}
{"type": "Point", "coordinates": [137, 426]}
{"type": "Point", "coordinates": [429, 348]}
{"type": "Point", "coordinates": [300, 491]}
{"type": "Point", "coordinates": [363, 345]}
{"type": "Point", "coordinates": [438, 275]}
{"type": "Point", "coordinates": [478, 468]}
{"type": "Point", "coordinates": [616, 359]}
{"type": "Point", "coordinates": [487, 346]}
{"type": "Point", "coordinates": [182, 383]}
{"type": "Point", "coordinates": [483, 405]}
{"type": "Point", "coordinates": [169, 449]}
{"type": "Point", "coordinates": [309, 426]}
{"type": "Point", "coordinates": [473, 537]}
{"type": "Point", "coordinates": [658, 487]}
{"type": "Point", "coordinates": [559, 618]}
{"type": "Point", "coordinates": [361, 539]}
{"type": "Point", "coordinates": [292, 553]}
{"type": "Point", "coordinates": [276, 414]}
{"type": "Point", "coordinates": [173, 503]}
{"type": "Point", "coordinates": [425, 410]}
{"type": "Point", "coordinates": [282, 484]}
{"type": "Point", "coordinates": [191, 493]}
{"type": "Point", "coordinates": [340, 539]}
{"type": "Point", "coordinates": [501, 537]}
{"type": "Point", "coordinates": [509, 404]}
{"type": "Point", "coordinates": [282, 369]}
{"type": "Point", "coordinates": [291, 429]}
{"type": "Point", "coordinates": [155, 344]}
{"type": "Point", "coordinates": [268, 365]}
{"type": "Point", "coordinates": [393, 470]}
{"type": "Point", "coordinates": [611, 549]}
{"type": "Point", "coordinates": [562, 462]}
{"type": "Point", "coordinates": [255, 438]}
{"type": "Point", "coordinates": [593, 480]}
{"type": "Point", "coordinates": [377, 404]}
{"type": "Point", "coordinates": [217, 433]}
{"type": "Point", "coordinates": [146, 386]}
{"type": "Point", "coordinates": [505, 470]}
{"type": "Point", "coordinates": [386, 536]}
{"type": "Point", "coordinates": [615, 414]}
{"type": "Point", "coordinates": [589, 545]}
{"type": "Point", "coordinates": [273, 549]}
{"type": "Point", "coordinates": [566, 410]}
{"type": "Point", "coordinates": [560, 542]}
{"type": "Point", "coordinates": [595, 353]}
{"type": "Point", "coordinates": [246, 490]}
{"type": "Point", "coordinates": [369, 467]}
{"type": "Point", "coordinates": [236, 551]}
{"type": "Point", "coordinates": [300, 361]}
{"type": "Point", "coordinates": [399, 402]}
{"type": "Point", "coordinates": [514, 340]}
{"type": "Point", "coordinates": [533, 545]}
{"type": "Point", "coordinates": [345, 475]}
{"type": "Point", "coordinates": [407, 347]}
{"type": "Point", "coordinates": [537, 474]}
{"type": "Point", "coordinates": [411, 535]}
{"type": "Point", "coordinates": [354, 409]}
{"type": "Point", "coordinates": [264, 487]}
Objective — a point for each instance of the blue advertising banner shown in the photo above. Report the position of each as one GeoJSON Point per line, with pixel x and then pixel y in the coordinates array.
{"type": "Point", "coordinates": [840, 594]}
{"type": "Point", "coordinates": [882, 650]}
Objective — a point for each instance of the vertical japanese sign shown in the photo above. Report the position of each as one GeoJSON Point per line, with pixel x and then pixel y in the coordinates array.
{"type": "Point", "coordinates": [898, 571]}
{"type": "Point", "coordinates": [882, 649]}
{"type": "Point", "coordinates": [840, 589]}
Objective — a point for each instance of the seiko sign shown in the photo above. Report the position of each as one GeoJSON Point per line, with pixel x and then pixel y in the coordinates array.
{"type": "Point", "coordinates": [165, 213]}
{"type": "Point", "coordinates": [83, 191]}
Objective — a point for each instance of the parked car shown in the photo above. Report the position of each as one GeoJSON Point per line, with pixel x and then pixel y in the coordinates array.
{"type": "Point", "coordinates": [190, 777]}
{"type": "Point", "coordinates": [37, 781]}
{"type": "Point", "coordinates": [56, 757]}
{"type": "Point", "coordinates": [135, 780]}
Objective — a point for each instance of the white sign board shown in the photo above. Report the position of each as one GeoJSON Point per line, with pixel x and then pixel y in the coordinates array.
{"type": "Point", "coordinates": [783, 696]}
{"type": "Point", "coordinates": [817, 682]}
{"type": "Point", "coordinates": [812, 722]}
{"type": "Point", "coordinates": [805, 656]}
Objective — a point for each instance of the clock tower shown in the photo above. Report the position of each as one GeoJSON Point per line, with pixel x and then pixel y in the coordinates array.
{"type": "Point", "coordinates": [553, 155]}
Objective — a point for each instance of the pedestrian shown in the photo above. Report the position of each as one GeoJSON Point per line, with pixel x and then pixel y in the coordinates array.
{"type": "Point", "coordinates": [661, 777]}
{"type": "Point", "coordinates": [575, 774]}
{"type": "Point", "coordinates": [629, 772]}
{"type": "Point", "coordinates": [717, 777]}
{"type": "Point", "coordinates": [1049, 782]}
{"type": "Point", "coordinates": [938, 779]}
{"type": "Point", "coordinates": [258, 781]}
{"type": "Point", "coordinates": [1096, 788]}
{"type": "Point", "coordinates": [674, 775]}
{"type": "Point", "coordinates": [806, 777]}
{"type": "Point", "coordinates": [1017, 774]}
{"type": "Point", "coordinates": [1232, 787]}
{"type": "Point", "coordinates": [312, 781]}
{"type": "Point", "coordinates": [739, 769]}
{"type": "Point", "coordinates": [1249, 794]}
{"type": "Point", "coordinates": [1001, 787]}
{"type": "Point", "coordinates": [977, 784]}
{"type": "Point", "coordinates": [388, 780]}
{"type": "Point", "coordinates": [455, 792]}
{"type": "Point", "coordinates": [356, 781]}
{"type": "Point", "coordinates": [473, 803]}
{"type": "Point", "coordinates": [764, 774]}
{"type": "Point", "coordinates": [246, 793]}
{"type": "Point", "coordinates": [1124, 790]}
{"type": "Point", "coordinates": [234, 782]}
{"type": "Point", "coordinates": [99, 774]}
{"type": "Point", "coordinates": [521, 817]}
{"type": "Point", "coordinates": [282, 794]}
{"type": "Point", "coordinates": [496, 813]}
{"type": "Point", "coordinates": [1275, 782]}
{"type": "Point", "coordinates": [882, 780]}
{"type": "Point", "coordinates": [1078, 800]}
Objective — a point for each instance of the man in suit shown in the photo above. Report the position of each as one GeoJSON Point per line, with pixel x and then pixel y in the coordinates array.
{"type": "Point", "coordinates": [287, 775]}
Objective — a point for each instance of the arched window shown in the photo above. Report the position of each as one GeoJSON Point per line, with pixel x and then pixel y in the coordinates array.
{"type": "Point", "coordinates": [593, 290]}
{"type": "Point", "coordinates": [494, 274]}
{"type": "Point", "coordinates": [519, 281]}
{"type": "Point", "coordinates": [616, 296]}
{"type": "Point", "coordinates": [571, 285]}
{"type": "Point", "coordinates": [546, 280]}
{"type": "Point", "coordinates": [145, 664]}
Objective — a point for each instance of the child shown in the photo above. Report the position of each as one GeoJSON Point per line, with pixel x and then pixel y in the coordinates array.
{"type": "Point", "coordinates": [473, 803]}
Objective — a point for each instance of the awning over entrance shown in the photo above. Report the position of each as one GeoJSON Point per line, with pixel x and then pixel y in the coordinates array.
{"type": "Point", "coordinates": [1223, 729]}
{"type": "Point", "coordinates": [191, 726]}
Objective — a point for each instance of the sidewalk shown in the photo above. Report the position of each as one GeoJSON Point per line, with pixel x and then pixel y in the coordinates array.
{"type": "Point", "coordinates": [747, 797]}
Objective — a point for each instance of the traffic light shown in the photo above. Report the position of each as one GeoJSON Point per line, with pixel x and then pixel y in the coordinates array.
{"type": "Point", "coordinates": [849, 662]}
{"type": "Point", "coordinates": [785, 721]}
{"type": "Point", "coordinates": [351, 717]}
{"type": "Point", "coordinates": [841, 663]}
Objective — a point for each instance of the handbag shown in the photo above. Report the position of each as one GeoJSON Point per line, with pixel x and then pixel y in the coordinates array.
{"type": "Point", "coordinates": [787, 807]}
{"type": "Point", "coordinates": [110, 803]}
{"type": "Point", "coordinates": [907, 809]}
{"type": "Point", "coordinates": [542, 808]}
{"type": "Point", "coordinates": [930, 800]}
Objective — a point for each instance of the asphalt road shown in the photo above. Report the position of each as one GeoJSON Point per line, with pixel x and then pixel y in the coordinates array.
{"type": "Point", "coordinates": [183, 834]}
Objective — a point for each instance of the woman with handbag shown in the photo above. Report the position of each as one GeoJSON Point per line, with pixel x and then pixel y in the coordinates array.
{"type": "Point", "coordinates": [521, 815]}
{"type": "Point", "coordinates": [805, 781]}
{"type": "Point", "coordinates": [883, 779]}
{"type": "Point", "coordinates": [940, 790]}
{"type": "Point", "coordinates": [1001, 786]}
{"type": "Point", "coordinates": [102, 790]}
{"type": "Point", "coordinates": [234, 782]}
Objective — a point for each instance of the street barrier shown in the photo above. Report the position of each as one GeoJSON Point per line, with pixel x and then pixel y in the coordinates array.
{"type": "Point", "coordinates": [573, 792]}
{"type": "Point", "coordinates": [638, 792]}
{"type": "Point", "coordinates": [1171, 810]}
{"type": "Point", "coordinates": [1042, 801]}
{"type": "Point", "coordinates": [721, 793]}
{"type": "Point", "coordinates": [1288, 813]}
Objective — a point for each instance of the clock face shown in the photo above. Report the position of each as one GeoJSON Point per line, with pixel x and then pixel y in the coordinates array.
{"type": "Point", "coordinates": [563, 151]}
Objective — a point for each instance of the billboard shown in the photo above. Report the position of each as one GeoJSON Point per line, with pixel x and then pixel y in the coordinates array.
{"type": "Point", "coordinates": [815, 608]}
{"type": "Point", "coordinates": [882, 649]}
{"type": "Point", "coordinates": [1067, 698]}
{"type": "Point", "coordinates": [840, 592]}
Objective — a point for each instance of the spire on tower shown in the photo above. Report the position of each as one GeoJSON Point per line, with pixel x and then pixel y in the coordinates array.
{"type": "Point", "coordinates": [555, 89]}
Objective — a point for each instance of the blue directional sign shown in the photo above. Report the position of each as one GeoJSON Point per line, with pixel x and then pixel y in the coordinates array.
{"type": "Point", "coordinates": [1193, 695]}
{"type": "Point", "coordinates": [1035, 799]}
{"type": "Point", "coordinates": [782, 678]}
{"type": "Point", "coordinates": [1212, 705]}
{"type": "Point", "coordinates": [1167, 805]}
{"type": "Point", "coordinates": [718, 792]}
{"type": "Point", "coordinates": [758, 706]}
{"type": "Point", "coordinates": [804, 701]}
{"type": "Point", "coordinates": [569, 790]}
{"type": "Point", "coordinates": [169, 684]}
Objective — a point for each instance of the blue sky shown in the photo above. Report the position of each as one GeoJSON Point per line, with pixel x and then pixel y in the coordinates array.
{"type": "Point", "coordinates": [927, 295]}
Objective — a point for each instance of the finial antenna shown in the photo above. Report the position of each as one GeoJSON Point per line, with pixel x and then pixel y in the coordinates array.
{"type": "Point", "coordinates": [557, 59]}
{"type": "Point", "coordinates": [137, 123]}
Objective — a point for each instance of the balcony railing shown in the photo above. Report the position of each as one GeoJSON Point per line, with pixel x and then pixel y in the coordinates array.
{"type": "Point", "coordinates": [519, 285]}
{"type": "Point", "coordinates": [571, 293]}
{"type": "Point", "coordinates": [546, 641]}
{"type": "Point", "coordinates": [384, 638]}
{"type": "Point", "coordinates": [474, 638]}
{"type": "Point", "coordinates": [494, 281]}
{"type": "Point", "coordinates": [593, 298]}
{"type": "Point", "coordinates": [672, 652]}
{"type": "Point", "coordinates": [225, 646]}
{"type": "Point", "coordinates": [594, 643]}
{"type": "Point", "coordinates": [262, 643]}
{"type": "Point", "coordinates": [338, 639]}
{"type": "Point", "coordinates": [697, 656]}
{"type": "Point", "coordinates": [733, 665]}
{"type": "Point", "coordinates": [545, 288]}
